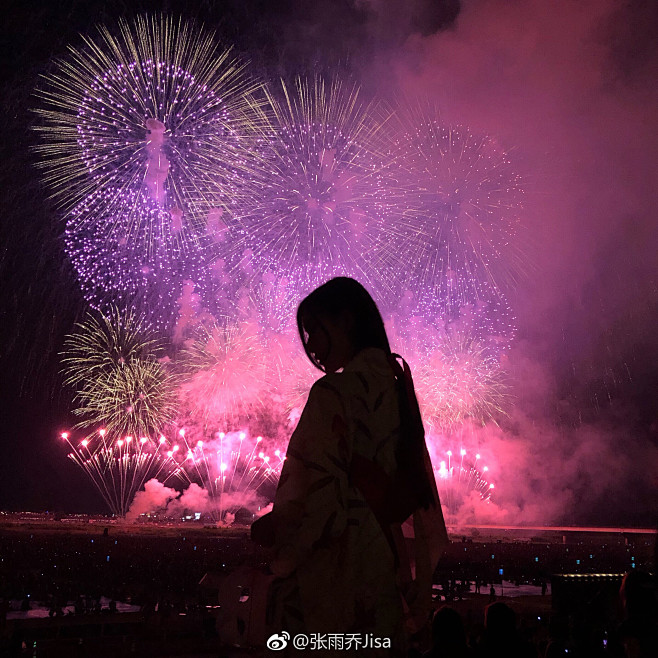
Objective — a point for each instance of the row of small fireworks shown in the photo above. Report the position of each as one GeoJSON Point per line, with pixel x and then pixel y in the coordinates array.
{"type": "Point", "coordinates": [232, 467]}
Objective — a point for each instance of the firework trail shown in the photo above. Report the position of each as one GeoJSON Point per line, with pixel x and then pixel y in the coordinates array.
{"type": "Point", "coordinates": [159, 108]}
{"type": "Point", "coordinates": [119, 465]}
{"type": "Point", "coordinates": [321, 207]}
{"type": "Point", "coordinates": [121, 382]}
{"type": "Point", "coordinates": [461, 203]}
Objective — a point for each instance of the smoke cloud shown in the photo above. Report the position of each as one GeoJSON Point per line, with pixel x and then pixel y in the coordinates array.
{"type": "Point", "coordinates": [154, 498]}
{"type": "Point", "coordinates": [568, 88]}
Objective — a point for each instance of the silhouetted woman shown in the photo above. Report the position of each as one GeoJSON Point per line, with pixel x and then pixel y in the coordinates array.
{"type": "Point", "coordinates": [356, 468]}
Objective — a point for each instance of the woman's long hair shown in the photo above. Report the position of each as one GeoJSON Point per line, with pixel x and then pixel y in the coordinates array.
{"type": "Point", "coordinates": [341, 295]}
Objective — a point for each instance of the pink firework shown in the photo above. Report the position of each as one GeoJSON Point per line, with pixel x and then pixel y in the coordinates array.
{"type": "Point", "coordinates": [461, 205]}
{"type": "Point", "coordinates": [225, 373]}
{"type": "Point", "coordinates": [320, 206]}
{"type": "Point", "coordinates": [459, 472]}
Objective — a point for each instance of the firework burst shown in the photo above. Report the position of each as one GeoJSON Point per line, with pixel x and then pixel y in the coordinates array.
{"type": "Point", "coordinates": [458, 380]}
{"type": "Point", "coordinates": [115, 365]}
{"type": "Point", "coordinates": [225, 375]}
{"type": "Point", "coordinates": [126, 254]}
{"type": "Point", "coordinates": [461, 206]}
{"type": "Point", "coordinates": [321, 206]}
{"type": "Point", "coordinates": [159, 107]}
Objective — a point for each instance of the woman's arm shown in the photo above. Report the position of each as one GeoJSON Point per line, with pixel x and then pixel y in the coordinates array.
{"type": "Point", "coordinates": [310, 506]}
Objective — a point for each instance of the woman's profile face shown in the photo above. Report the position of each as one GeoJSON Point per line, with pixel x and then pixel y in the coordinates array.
{"type": "Point", "coordinates": [328, 340]}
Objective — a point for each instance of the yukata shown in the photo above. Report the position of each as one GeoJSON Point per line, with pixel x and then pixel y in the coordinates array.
{"type": "Point", "coordinates": [336, 571]}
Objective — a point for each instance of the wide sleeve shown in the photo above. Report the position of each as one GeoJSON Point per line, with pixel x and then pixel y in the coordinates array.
{"type": "Point", "coordinates": [426, 540]}
{"type": "Point", "coordinates": [310, 505]}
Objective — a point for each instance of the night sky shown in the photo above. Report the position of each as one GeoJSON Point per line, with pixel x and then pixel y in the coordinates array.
{"type": "Point", "coordinates": [567, 87]}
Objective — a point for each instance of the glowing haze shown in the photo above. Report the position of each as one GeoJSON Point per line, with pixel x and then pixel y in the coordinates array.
{"type": "Point", "coordinates": [539, 324]}
{"type": "Point", "coordinates": [570, 86]}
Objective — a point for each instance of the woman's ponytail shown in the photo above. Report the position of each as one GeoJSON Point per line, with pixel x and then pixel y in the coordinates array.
{"type": "Point", "coordinates": [411, 451]}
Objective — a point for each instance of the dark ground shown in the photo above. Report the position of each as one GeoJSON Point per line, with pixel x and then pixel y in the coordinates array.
{"type": "Point", "coordinates": [55, 562]}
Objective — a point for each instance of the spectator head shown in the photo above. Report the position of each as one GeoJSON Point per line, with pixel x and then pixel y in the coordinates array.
{"type": "Point", "coordinates": [500, 620]}
{"type": "Point", "coordinates": [638, 594]}
{"type": "Point", "coordinates": [448, 629]}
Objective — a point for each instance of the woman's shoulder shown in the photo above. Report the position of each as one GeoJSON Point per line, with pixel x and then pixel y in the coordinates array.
{"type": "Point", "coordinates": [329, 387]}
{"type": "Point", "coordinates": [334, 388]}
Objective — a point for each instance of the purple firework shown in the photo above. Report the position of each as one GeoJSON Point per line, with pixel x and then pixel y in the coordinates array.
{"type": "Point", "coordinates": [461, 206]}
{"type": "Point", "coordinates": [127, 253]}
{"type": "Point", "coordinates": [159, 106]}
{"type": "Point", "coordinates": [321, 207]}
